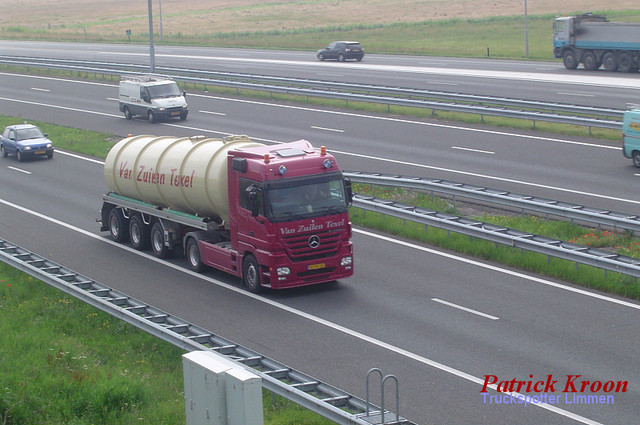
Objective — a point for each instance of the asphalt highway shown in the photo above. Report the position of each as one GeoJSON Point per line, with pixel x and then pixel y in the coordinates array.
{"type": "Point", "coordinates": [438, 321]}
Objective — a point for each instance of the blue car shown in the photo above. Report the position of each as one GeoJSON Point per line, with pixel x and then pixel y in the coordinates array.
{"type": "Point", "coordinates": [25, 141]}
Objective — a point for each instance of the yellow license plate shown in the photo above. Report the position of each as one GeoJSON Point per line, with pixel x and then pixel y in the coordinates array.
{"type": "Point", "coordinates": [316, 266]}
{"type": "Point", "coordinates": [40, 152]}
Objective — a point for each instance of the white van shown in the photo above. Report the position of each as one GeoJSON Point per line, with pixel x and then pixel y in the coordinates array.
{"type": "Point", "coordinates": [154, 96]}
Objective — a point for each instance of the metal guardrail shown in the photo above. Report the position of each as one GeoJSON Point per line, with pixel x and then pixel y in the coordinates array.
{"type": "Point", "coordinates": [311, 393]}
{"type": "Point", "coordinates": [436, 100]}
{"type": "Point", "coordinates": [600, 217]}
{"type": "Point", "coordinates": [580, 254]}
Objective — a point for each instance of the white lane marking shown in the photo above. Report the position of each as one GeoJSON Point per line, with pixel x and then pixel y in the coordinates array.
{"type": "Point", "coordinates": [473, 150]}
{"type": "Point", "coordinates": [329, 74]}
{"type": "Point", "coordinates": [305, 315]}
{"type": "Point", "coordinates": [576, 94]}
{"type": "Point", "coordinates": [431, 167]}
{"type": "Point", "coordinates": [441, 83]}
{"type": "Point", "coordinates": [18, 169]}
{"type": "Point", "coordinates": [335, 130]}
{"type": "Point", "coordinates": [435, 252]}
{"type": "Point", "coordinates": [417, 165]}
{"type": "Point", "coordinates": [213, 113]}
{"type": "Point", "coordinates": [501, 270]}
{"type": "Point", "coordinates": [573, 78]}
{"type": "Point", "coordinates": [39, 89]}
{"type": "Point", "coordinates": [408, 121]}
{"type": "Point", "coordinates": [459, 307]}
{"type": "Point", "coordinates": [348, 114]}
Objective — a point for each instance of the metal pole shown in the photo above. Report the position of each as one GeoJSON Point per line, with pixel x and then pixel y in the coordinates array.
{"type": "Point", "coordinates": [160, 16]}
{"type": "Point", "coordinates": [526, 31]}
{"type": "Point", "coordinates": [152, 54]}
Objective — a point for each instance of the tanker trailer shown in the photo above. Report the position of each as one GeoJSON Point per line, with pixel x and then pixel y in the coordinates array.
{"type": "Point", "coordinates": [276, 216]}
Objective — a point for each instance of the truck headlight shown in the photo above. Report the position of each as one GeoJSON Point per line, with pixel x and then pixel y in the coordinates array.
{"type": "Point", "coordinates": [283, 271]}
{"type": "Point", "coordinates": [27, 148]}
{"type": "Point", "coordinates": [346, 261]}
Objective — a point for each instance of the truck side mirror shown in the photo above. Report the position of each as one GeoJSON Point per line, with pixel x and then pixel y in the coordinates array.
{"type": "Point", "coordinates": [348, 190]}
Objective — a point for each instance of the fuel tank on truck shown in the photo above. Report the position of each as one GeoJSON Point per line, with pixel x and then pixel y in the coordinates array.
{"type": "Point", "coordinates": [187, 174]}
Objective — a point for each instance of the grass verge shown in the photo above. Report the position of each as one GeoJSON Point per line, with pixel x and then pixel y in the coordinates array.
{"type": "Point", "coordinates": [494, 37]}
{"type": "Point", "coordinates": [65, 362]}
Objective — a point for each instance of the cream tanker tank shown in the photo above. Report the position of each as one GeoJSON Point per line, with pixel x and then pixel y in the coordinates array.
{"type": "Point", "coordinates": [187, 174]}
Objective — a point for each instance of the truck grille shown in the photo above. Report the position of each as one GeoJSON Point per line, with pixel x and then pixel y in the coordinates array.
{"type": "Point", "coordinates": [299, 247]}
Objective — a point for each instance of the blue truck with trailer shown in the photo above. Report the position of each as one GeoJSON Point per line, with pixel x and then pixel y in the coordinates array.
{"type": "Point", "coordinates": [594, 41]}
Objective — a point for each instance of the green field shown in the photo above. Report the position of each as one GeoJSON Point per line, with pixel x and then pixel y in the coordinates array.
{"type": "Point", "coordinates": [495, 37]}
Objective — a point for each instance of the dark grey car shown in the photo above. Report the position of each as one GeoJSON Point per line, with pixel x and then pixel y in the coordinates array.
{"type": "Point", "coordinates": [341, 51]}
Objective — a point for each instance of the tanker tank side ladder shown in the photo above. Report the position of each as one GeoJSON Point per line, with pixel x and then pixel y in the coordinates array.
{"type": "Point", "coordinates": [580, 254]}
{"type": "Point", "coordinates": [317, 396]}
{"type": "Point", "coordinates": [616, 220]}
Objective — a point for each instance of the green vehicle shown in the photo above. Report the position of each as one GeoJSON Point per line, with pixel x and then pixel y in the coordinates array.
{"type": "Point", "coordinates": [631, 135]}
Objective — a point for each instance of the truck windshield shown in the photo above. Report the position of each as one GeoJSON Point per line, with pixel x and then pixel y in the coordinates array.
{"type": "Point", "coordinates": [300, 199]}
{"type": "Point", "coordinates": [164, 90]}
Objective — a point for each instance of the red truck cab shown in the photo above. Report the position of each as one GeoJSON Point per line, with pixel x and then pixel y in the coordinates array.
{"type": "Point", "coordinates": [288, 218]}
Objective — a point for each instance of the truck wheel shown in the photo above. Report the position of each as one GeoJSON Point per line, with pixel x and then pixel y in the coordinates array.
{"type": "Point", "coordinates": [636, 159]}
{"type": "Point", "coordinates": [193, 255]}
{"type": "Point", "coordinates": [340, 57]}
{"type": "Point", "coordinates": [625, 62]}
{"type": "Point", "coordinates": [251, 274]}
{"type": "Point", "coordinates": [4, 152]}
{"type": "Point", "coordinates": [590, 62]}
{"type": "Point", "coordinates": [118, 226]}
{"type": "Point", "coordinates": [158, 247]}
{"type": "Point", "coordinates": [320, 57]}
{"type": "Point", "coordinates": [151, 116]}
{"type": "Point", "coordinates": [609, 61]}
{"type": "Point", "coordinates": [127, 113]}
{"type": "Point", "coordinates": [569, 60]}
{"type": "Point", "coordinates": [139, 233]}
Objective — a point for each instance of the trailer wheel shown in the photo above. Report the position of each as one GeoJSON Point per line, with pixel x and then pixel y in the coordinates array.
{"type": "Point", "coordinates": [158, 247]}
{"type": "Point", "coordinates": [569, 60]}
{"type": "Point", "coordinates": [609, 61]}
{"type": "Point", "coordinates": [193, 255]}
{"type": "Point", "coordinates": [118, 226]}
{"type": "Point", "coordinates": [625, 62]}
{"type": "Point", "coordinates": [251, 274]}
{"type": "Point", "coordinates": [590, 61]}
{"type": "Point", "coordinates": [138, 233]}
